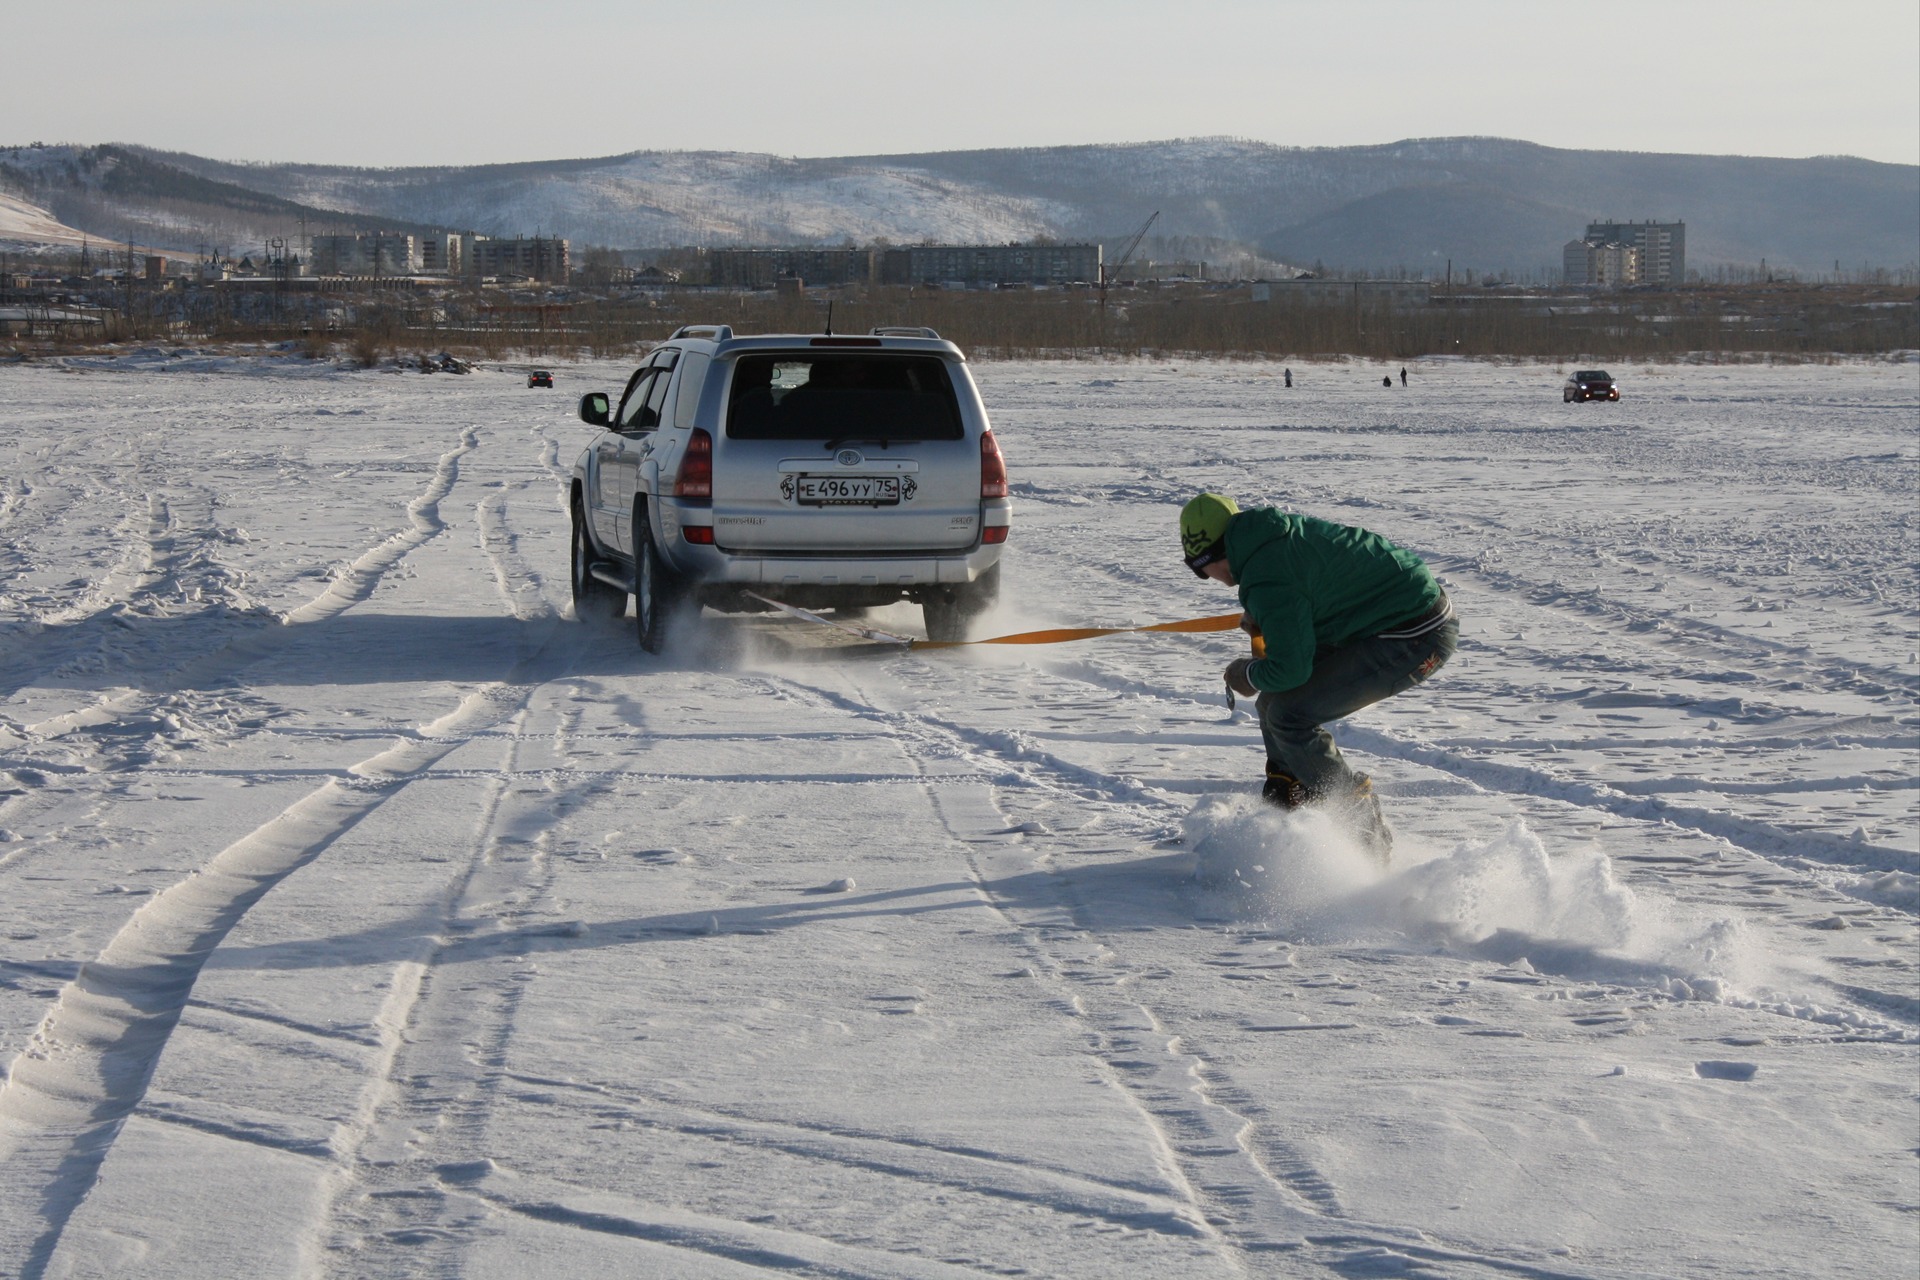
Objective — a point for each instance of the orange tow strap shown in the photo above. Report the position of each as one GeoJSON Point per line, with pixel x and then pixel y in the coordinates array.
{"type": "Point", "coordinates": [1060, 635]}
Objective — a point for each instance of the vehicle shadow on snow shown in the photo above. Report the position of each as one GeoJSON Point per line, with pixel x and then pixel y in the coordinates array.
{"type": "Point", "coordinates": [1139, 892]}
{"type": "Point", "coordinates": [362, 648]}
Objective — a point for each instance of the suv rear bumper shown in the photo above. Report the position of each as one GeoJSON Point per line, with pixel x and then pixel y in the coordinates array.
{"type": "Point", "coordinates": [706, 564]}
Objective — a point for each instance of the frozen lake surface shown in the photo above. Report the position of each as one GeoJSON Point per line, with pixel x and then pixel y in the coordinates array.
{"type": "Point", "coordinates": [362, 914]}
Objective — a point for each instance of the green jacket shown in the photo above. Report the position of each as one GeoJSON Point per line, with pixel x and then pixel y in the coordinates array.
{"type": "Point", "coordinates": [1311, 584]}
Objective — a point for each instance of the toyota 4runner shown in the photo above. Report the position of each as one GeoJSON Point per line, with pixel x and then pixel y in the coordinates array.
{"type": "Point", "coordinates": [822, 471]}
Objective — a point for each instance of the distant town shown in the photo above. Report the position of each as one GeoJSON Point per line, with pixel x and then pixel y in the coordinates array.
{"type": "Point", "coordinates": [1625, 287]}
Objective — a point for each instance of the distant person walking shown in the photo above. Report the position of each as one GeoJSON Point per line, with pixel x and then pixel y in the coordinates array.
{"type": "Point", "coordinates": [1403, 376]}
{"type": "Point", "coordinates": [1347, 619]}
{"type": "Point", "coordinates": [1289, 378]}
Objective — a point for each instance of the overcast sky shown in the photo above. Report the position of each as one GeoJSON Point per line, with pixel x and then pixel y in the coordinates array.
{"type": "Point", "coordinates": [401, 82]}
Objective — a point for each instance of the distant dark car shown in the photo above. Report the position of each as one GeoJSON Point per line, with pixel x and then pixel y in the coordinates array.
{"type": "Point", "coordinates": [1589, 384]}
{"type": "Point", "coordinates": [540, 378]}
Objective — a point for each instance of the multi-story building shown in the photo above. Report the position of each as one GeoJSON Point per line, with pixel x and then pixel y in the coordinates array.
{"type": "Point", "coordinates": [985, 265]}
{"type": "Point", "coordinates": [368, 254]}
{"type": "Point", "coordinates": [542, 258]}
{"type": "Point", "coordinates": [1662, 247]}
{"type": "Point", "coordinates": [440, 254]}
{"type": "Point", "coordinates": [760, 268]}
{"type": "Point", "coordinates": [1607, 263]}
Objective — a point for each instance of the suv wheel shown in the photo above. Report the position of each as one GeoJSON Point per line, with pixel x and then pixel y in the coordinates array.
{"type": "Point", "coordinates": [593, 600]}
{"type": "Point", "coordinates": [949, 615]}
{"type": "Point", "coordinates": [657, 593]}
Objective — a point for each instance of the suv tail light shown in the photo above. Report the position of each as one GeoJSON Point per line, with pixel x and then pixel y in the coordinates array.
{"type": "Point", "coordinates": [694, 479]}
{"type": "Point", "coordinates": [993, 468]}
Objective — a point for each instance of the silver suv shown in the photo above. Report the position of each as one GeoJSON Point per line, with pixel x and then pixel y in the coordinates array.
{"type": "Point", "coordinates": [823, 471]}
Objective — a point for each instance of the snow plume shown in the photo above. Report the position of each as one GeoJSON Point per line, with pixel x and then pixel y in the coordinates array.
{"type": "Point", "coordinates": [1509, 884]}
{"type": "Point", "coordinates": [1504, 900]}
{"type": "Point", "coordinates": [1300, 868]}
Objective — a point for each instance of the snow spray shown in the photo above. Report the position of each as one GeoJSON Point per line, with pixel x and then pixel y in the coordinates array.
{"type": "Point", "coordinates": [1503, 900]}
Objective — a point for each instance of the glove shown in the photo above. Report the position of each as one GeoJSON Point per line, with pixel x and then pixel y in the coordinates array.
{"type": "Point", "coordinates": [1237, 678]}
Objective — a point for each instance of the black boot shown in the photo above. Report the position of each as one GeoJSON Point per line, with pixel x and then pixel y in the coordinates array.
{"type": "Point", "coordinates": [1283, 790]}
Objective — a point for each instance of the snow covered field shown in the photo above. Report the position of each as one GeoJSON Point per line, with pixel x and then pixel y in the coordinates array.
{"type": "Point", "coordinates": [363, 915]}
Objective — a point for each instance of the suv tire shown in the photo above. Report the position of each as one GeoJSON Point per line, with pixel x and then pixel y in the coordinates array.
{"type": "Point", "coordinates": [657, 593]}
{"type": "Point", "coordinates": [949, 615]}
{"type": "Point", "coordinates": [593, 600]}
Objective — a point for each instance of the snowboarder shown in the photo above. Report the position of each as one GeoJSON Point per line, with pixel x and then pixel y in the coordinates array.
{"type": "Point", "coordinates": [1347, 619]}
{"type": "Point", "coordinates": [1289, 377]}
{"type": "Point", "coordinates": [1403, 376]}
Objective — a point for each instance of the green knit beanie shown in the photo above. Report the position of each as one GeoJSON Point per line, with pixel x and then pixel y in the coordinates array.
{"type": "Point", "coordinates": [1203, 529]}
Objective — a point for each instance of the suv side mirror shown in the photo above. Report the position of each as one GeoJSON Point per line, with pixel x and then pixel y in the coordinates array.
{"type": "Point", "coordinates": [595, 411]}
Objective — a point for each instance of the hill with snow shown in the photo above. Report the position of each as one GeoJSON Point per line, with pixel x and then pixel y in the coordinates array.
{"type": "Point", "coordinates": [23, 222]}
{"type": "Point", "coordinates": [1484, 203]}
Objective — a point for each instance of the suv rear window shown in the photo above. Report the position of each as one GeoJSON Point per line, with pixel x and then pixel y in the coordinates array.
{"type": "Point", "coordinates": [802, 396]}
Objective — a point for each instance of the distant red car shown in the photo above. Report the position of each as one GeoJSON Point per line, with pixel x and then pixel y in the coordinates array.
{"type": "Point", "coordinates": [540, 378]}
{"type": "Point", "coordinates": [1590, 384]}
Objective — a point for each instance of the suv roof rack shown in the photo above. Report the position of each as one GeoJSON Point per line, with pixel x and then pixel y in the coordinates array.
{"type": "Point", "coordinates": [718, 332]}
{"type": "Point", "coordinates": [903, 331]}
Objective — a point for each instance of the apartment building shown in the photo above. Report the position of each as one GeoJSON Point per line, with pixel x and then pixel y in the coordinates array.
{"type": "Point", "coordinates": [1661, 246]}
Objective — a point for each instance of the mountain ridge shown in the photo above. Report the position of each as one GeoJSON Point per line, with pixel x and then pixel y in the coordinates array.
{"type": "Point", "coordinates": [1485, 203]}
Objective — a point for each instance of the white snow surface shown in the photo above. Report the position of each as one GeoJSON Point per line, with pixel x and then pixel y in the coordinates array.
{"type": "Point", "coordinates": [363, 914]}
{"type": "Point", "coordinates": [27, 223]}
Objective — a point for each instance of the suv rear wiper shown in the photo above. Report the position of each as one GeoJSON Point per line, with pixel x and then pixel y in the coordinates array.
{"type": "Point", "coordinates": [882, 441]}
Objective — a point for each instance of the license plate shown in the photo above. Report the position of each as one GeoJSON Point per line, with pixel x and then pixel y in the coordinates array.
{"type": "Point", "coordinates": [831, 491]}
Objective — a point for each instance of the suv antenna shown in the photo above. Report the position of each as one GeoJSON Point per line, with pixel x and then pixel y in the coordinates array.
{"type": "Point", "coordinates": [829, 317]}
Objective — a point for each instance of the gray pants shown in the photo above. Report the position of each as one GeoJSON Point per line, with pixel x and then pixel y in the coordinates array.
{"type": "Point", "coordinates": [1344, 679]}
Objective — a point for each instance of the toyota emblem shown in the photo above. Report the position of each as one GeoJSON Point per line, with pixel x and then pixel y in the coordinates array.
{"type": "Point", "coordinates": [849, 458]}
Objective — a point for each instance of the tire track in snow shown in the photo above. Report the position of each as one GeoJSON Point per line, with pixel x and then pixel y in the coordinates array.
{"type": "Point", "coordinates": [429, 1104]}
{"type": "Point", "coordinates": [429, 1107]}
{"type": "Point", "coordinates": [355, 584]}
{"type": "Point", "coordinates": [1207, 1147]}
{"type": "Point", "coordinates": [685, 1237]}
{"type": "Point", "coordinates": [87, 1067]}
{"type": "Point", "coordinates": [429, 1158]}
{"type": "Point", "coordinates": [521, 586]}
{"type": "Point", "coordinates": [1248, 1187]}
{"type": "Point", "coordinates": [165, 525]}
{"type": "Point", "coordinates": [1135, 1204]}
{"type": "Point", "coordinates": [969, 814]}
{"type": "Point", "coordinates": [51, 639]}
{"type": "Point", "coordinates": [357, 581]}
